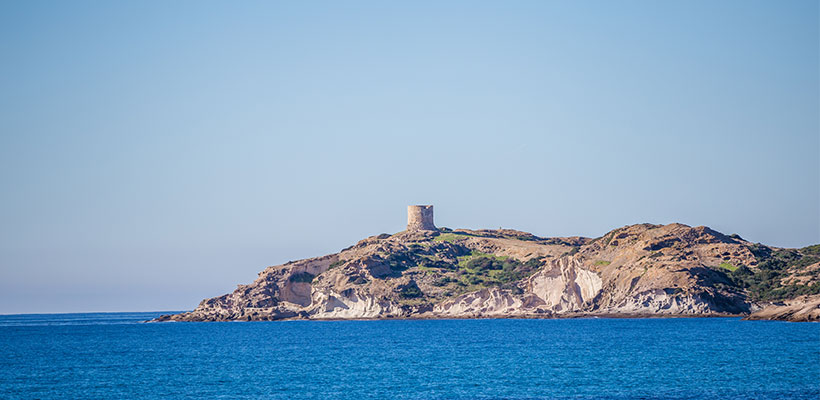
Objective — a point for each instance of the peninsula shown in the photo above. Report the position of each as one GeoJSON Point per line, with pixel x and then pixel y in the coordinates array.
{"type": "Point", "coordinates": [639, 270]}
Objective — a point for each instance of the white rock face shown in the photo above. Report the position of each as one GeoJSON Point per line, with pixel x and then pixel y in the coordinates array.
{"type": "Point", "coordinates": [353, 306]}
{"type": "Point", "coordinates": [485, 302]}
{"type": "Point", "coordinates": [659, 302]}
{"type": "Point", "coordinates": [564, 286]}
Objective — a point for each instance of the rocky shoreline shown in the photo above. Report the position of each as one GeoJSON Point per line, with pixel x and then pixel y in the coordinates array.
{"type": "Point", "coordinates": [638, 271]}
{"type": "Point", "coordinates": [169, 317]}
{"type": "Point", "coordinates": [803, 309]}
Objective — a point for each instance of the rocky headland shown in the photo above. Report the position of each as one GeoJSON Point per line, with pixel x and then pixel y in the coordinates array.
{"type": "Point", "coordinates": [801, 309]}
{"type": "Point", "coordinates": [637, 270]}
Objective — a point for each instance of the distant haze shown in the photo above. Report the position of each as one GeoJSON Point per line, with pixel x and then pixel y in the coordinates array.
{"type": "Point", "coordinates": [156, 153]}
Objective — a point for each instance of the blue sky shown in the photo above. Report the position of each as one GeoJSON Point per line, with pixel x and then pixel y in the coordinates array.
{"type": "Point", "coordinates": [154, 153]}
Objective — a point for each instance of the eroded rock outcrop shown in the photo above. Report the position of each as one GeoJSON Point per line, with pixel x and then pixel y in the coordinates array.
{"type": "Point", "coordinates": [635, 270]}
{"type": "Point", "coordinates": [801, 309]}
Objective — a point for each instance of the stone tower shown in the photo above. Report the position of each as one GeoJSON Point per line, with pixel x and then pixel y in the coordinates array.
{"type": "Point", "coordinates": [420, 218]}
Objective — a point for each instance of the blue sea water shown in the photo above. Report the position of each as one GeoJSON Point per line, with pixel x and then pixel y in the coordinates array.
{"type": "Point", "coordinates": [80, 356]}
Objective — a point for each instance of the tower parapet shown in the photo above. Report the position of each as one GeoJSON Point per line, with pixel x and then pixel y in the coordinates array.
{"type": "Point", "coordinates": [420, 218]}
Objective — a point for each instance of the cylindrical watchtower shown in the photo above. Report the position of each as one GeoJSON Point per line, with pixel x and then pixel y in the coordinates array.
{"type": "Point", "coordinates": [420, 218]}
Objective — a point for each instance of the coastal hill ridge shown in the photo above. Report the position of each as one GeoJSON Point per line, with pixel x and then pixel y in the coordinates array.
{"type": "Point", "coordinates": [637, 270]}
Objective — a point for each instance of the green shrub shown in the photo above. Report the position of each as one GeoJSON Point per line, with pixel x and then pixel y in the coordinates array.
{"type": "Point", "coordinates": [305, 277]}
{"type": "Point", "coordinates": [761, 252]}
{"type": "Point", "coordinates": [765, 283]}
{"type": "Point", "coordinates": [489, 270]}
{"type": "Point", "coordinates": [813, 250]}
{"type": "Point", "coordinates": [410, 291]}
{"type": "Point", "coordinates": [428, 263]}
{"type": "Point", "coordinates": [728, 266]}
{"type": "Point", "coordinates": [443, 281]}
{"type": "Point", "coordinates": [400, 261]}
{"type": "Point", "coordinates": [483, 264]}
{"type": "Point", "coordinates": [450, 237]}
{"type": "Point", "coordinates": [471, 280]}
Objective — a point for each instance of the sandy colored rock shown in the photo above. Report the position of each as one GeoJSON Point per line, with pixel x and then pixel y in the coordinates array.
{"type": "Point", "coordinates": [801, 309]}
{"type": "Point", "coordinates": [644, 269]}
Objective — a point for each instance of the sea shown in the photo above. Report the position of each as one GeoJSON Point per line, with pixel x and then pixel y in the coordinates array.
{"type": "Point", "coordinates": [120, 356]}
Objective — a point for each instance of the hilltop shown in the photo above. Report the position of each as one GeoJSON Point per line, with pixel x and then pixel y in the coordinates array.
{"type": "Point", "coordinates": [636, 270]}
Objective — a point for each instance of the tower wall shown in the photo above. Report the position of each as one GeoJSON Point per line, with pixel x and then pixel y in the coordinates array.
{"type": "Point", "coordinates": [420, 218]}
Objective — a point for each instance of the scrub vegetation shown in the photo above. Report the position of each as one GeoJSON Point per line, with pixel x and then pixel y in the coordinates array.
{"type": "Point", "coordinates": [778, 272]}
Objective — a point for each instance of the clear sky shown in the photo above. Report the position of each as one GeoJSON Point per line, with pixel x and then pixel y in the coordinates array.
{"type": "Point", "coordinates": [155, 153]}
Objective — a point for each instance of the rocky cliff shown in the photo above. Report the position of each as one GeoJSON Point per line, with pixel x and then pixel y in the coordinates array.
{"type": "Point", "coordinates": [638, 270]}
{"type": "Point", "coordinates": [801, 309]}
